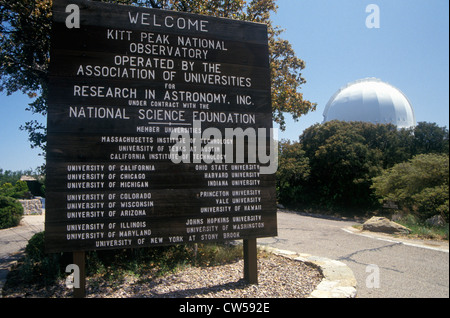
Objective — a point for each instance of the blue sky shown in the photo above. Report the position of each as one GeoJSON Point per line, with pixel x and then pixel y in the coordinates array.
{"type": "Point", "coordinates": [410, 51]}
{"type": "Point", "coordinates": [15, 149]}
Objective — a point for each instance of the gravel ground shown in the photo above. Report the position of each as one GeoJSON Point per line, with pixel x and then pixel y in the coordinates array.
{"type": "Point", "coordinates": [278, 277]}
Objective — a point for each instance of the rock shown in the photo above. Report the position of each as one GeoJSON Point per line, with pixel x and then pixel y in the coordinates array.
{"type": "Point", "coordinates": [33, 206]}
{"type": "Point", "coordinates": [384, 225]}
{"type": "Point", "coordinates": [397, 216]}
{"type": "Point", "coordinates": [436, 220]}
{"type": "Point", "coordinates": [280, 206]}
{"type": "Point", "coordinates": [390, 205]}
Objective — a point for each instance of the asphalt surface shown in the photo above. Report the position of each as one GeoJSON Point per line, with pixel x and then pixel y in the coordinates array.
{"type": "Point", "coordinates": [382, 265]}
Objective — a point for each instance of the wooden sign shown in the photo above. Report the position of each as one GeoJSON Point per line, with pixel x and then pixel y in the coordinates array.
{"type": "Point", "coordinates": [158, 129]}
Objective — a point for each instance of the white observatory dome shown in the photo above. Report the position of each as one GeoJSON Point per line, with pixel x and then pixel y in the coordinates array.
{"type": "Point", "coordinates": [370, 100]}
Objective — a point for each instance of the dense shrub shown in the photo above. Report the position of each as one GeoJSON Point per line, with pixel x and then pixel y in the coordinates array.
{"type": "Point", "coordinates": [432, 201]}
{"type": "Point", "coordinates": [11, 212]}
{"type": "Point", "coordinates": [334, 163]}
{"type": "Point", "coordinates": [41, 267]}
{"type": "Point", "coordinates": [419, 186]}
{"type": "Point", "coordinates": [19, 190]}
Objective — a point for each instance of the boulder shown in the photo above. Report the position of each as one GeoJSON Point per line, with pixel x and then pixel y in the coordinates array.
{"type": "Point", "coordinates": [436, 220]}
{"type": "Point", "coordinates": [33, 206]}
{"type": "Point", "coordinates": [384, 225]}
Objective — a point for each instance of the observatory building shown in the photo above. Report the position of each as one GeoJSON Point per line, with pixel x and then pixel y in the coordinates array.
{"type": "Point", "coordinates": [370, 100]}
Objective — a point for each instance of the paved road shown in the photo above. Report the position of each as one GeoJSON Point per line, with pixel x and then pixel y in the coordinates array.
{"type": "Point", "coordinates": [406, 268]}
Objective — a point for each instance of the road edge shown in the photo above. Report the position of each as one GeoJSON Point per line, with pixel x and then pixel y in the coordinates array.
{"type": "Point", "coordinates": [338, 279]}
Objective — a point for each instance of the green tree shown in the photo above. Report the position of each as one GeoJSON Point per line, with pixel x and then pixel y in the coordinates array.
{"type": "Point", "coordinates": [19, 190]}
{"type": "Point", "coordinates": [24, 58]}
{"type": "Point", "coordinates": [292, 174]}
{"type": "Point", "coordinates": [430, 138]}
{"type": "Point", "coordinates": [10, 176]}
{"type": "Point", "coordinates": [343, 167]}
{"type": "Point", "coordinates": [344, 157]}
{"type": "Point", "coordinates": [393, 144]}
{"type": "Point", "coordinates": [25, 44]}
{"type": "Point", "coordinates": [419, 185]}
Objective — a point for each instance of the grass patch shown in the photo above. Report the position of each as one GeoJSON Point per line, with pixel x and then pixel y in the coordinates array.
{"type": "Point", "coordinates": [422, 230]}
{"type": "Point", "coordinates": [419, 229]}
{"type": "Point", "coordinates": [116, 266]}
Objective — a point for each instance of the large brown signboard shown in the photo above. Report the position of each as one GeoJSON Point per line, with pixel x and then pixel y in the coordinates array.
{"type": "Point", "coordinates": [159, 129]}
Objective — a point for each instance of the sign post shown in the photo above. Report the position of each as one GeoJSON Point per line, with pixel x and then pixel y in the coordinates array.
{"type": "Point", "coordinates": [79, 259]}
{"type": "Point", "coordinates": [159, 129]}
{"type": "Point", "coordinates": [250, 261]}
